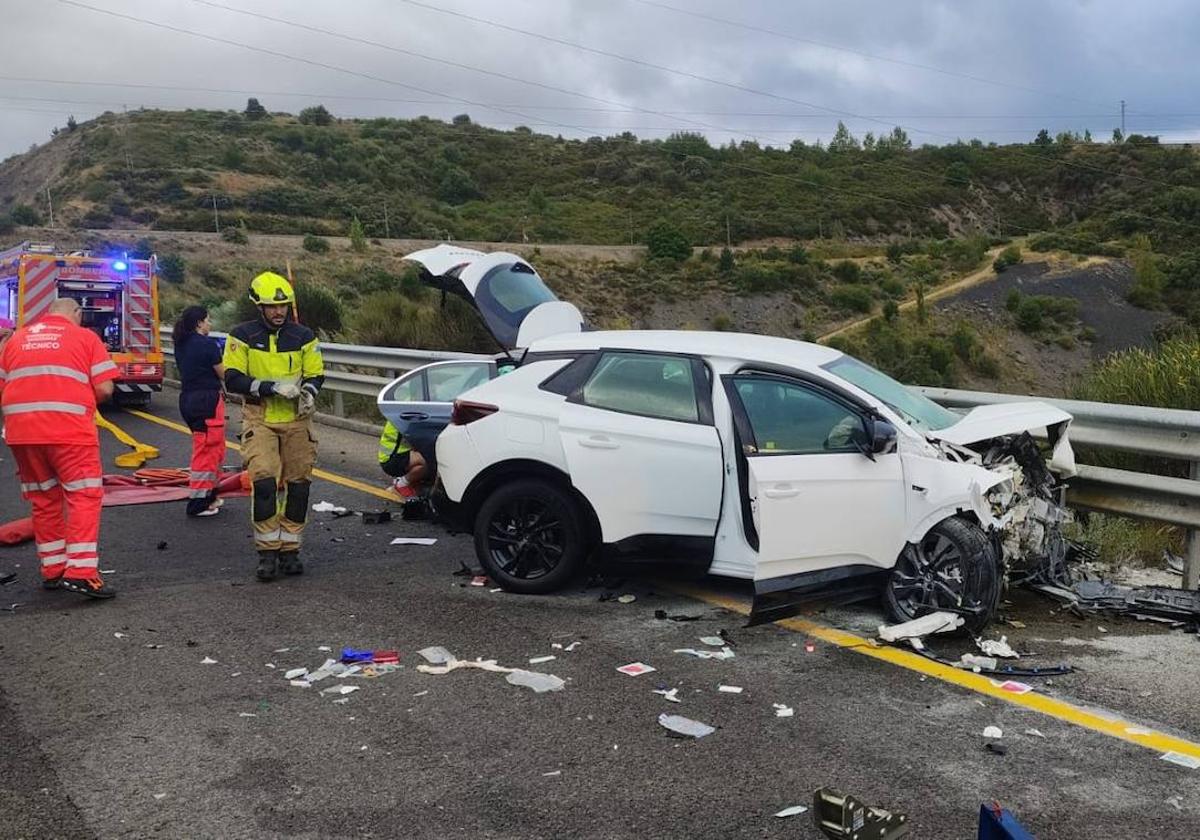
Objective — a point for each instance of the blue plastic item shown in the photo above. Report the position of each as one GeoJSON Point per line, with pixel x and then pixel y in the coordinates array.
{"type": "Point", "coordinates": [996, 823]}
{"type": "Point", "coordinates": [349, 654]}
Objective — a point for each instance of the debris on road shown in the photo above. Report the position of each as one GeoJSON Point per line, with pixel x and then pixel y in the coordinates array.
{"type": "Point", "coordinates": [341, 689]}
{"type": "Point", "coordinates": [730, 689]}
{"type": "Point", "coordinates": [783, 711]}
{"type": "Point", "coordinates": [669, 694]}
{"type": "Point", "coordinates": [685, 727]}
{"type": "Point", "coordinates": [926, 625]}
{"type": "Point", "coordinates": [295, 673]}
{"type": "Point", "coordinates": [376, 517]}
{"type": "Point", "coordinates": [7, 578]}
{"type": "Point", "coordinates": [978, 664]}
{"type": "Point", "coordinates": [627, 599]}
{"type": "Point", "coordinates": [538, 660]}
{"type": "Point", "coordinates": [843, 817]}
{"type": "Point", "coordinates": [414, 541]}
{"type": "Point", "coordinates": [661, 615]}
{"type": "Point", "coordinates": [208, 660]}
{"type": "Point", "coordinates": [636, 669]}
{"type": "Point", "coordinates": [539, 682]}
{"type": "Point", "coordinates": [712, 641]}
{"type": "Point", "coordinates": [329, 507]}
{"type": "Point", "coordinates": [723, 653]}
{"type": "Point", "coordinates": [992, 732]}
{"type": "Point", "coordinates": [1093, 596]}
{"type": "Point", "coordinates": [996, 823]}
{"type": "Point", "coordinates": [350, 654]}
{"type": "Point", "coordinates": [120, 635]}
{"type": "Point", "coordinates": [997, 648]}
{"type": "Point", "coordinates": [1183, 760]}
{"type": "Point", "coordinates": [435, 655]}
{"type": "Point", "coordinates": [1013, 687]}
{"type": "Point", "coordinates": [793, 811]}
{"type": "Point", "coordinates": [1036, 733]}
{"type": "Point", "coordinates": [479, 580]}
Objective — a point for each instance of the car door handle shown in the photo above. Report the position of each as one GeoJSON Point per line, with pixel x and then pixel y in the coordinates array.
{"type": "Point", "coordinates": [410, 416]}
{"type": "Point", "coordinates": [599, 442]}
{"type": "Point", "coordinates": [785, 491]}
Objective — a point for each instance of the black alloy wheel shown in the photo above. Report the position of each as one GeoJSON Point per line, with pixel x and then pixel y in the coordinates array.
{"type": "Point", "coordinates": [529, 537]}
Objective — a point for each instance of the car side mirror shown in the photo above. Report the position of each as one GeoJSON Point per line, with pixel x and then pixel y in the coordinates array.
{"type": "Point", "coordinates": [883, 436]}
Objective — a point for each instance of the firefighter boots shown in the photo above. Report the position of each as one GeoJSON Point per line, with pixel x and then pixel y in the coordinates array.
{"type": "Point", "coordinates": [268, 565]}
{"type": "Point", "coordinates": [290, 563]}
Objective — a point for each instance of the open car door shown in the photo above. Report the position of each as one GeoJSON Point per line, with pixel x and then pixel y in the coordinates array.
{"type": "Point", "coordinates": [516, 306]}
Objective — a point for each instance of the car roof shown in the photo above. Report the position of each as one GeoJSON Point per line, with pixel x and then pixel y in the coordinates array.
{"type": "Point", "coordinates": [728, 345]}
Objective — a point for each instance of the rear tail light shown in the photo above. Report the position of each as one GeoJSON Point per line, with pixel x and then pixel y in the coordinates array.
{"type": "Point", "coordinates": [465, 412]}
{"type": "Point", "coordinates": [143, 370]}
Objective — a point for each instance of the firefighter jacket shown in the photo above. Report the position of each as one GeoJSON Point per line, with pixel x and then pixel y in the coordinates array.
{"type": "Point", "coordinates": [256, 357]}
{"type": "Point", "coordinates": [391, 443]}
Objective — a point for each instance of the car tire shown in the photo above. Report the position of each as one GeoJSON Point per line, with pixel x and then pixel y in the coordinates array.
{"type": "Point", "coordinates": [530, 537]}
{"type": "Point", "coordinates": [955, 562]}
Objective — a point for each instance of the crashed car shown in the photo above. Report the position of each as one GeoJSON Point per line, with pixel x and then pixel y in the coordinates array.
{"type": "Point", "coordinates": [783, 462]}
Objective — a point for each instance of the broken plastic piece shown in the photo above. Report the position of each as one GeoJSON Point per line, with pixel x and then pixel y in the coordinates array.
{"type": "Point", "coordinates": [661, 615]}
{"type": "Point", "coordinates": [538, 660]}
{"type": "Point", "coordinates": [479, 580]}
{"type": "Point", "coordinates": [723, 653]}
{"type": "Point", "coordinates": [1013, 687]}
{"type": "Point", "coordinates": [997, 647]}
{"type": "Point", "coordinates": [376, 517]}
{"type": "Point", "coordinates": [669, 694]}
{"type": "Point", "coordinates": [685, 727]}
{"type": "Point", "coordinates": [572, 646]}
{"type": "Point", "coordinates": [972, 662]}
{"type": "Point", "coordinates": [1183, 760]}
{"type": "Point", "coordinates": [793, 811]}
{"type": "Point", "coordinates": [553, 773]}
{"type": "Point", "coordinates": [712, 641]}
{"type": "Point", "coordinates": [627, 599]}
{"type": "Point", "coordinates": [635, 669]}
{"type": "Point", "coordinates": [340, 689]}
{"type": "Point", "coordinates": [328, 507]}
{"type": "Point", "coordinates": [436, 655]}
{"type": "Point", "coordinates": [414, 541]}
{"type": "Point", "coordinates": [730, 689]}
{"type": "Point", "coordinates": [938, 622]}
{"type": "Point", "coordinates": [992, 732]}
{"type": "Point", "coordinates": [385, 657]}
{"type": "Point", "coordinates": [120, 635]}
{"type": "Point", "coordinates": [782, 710]}
{"type": "Point", "coordinates": [208, 660]}
{"type": "Point", "coordinates": [540, 683]}
{"type": "Point", "coordinates": [843, 817]}
{"type": "Point", "coordinates": [349, 654]}
{"type": "Point", "coordinates": [299, 683]}
{"type": "Point", "coordinates": [295, 673]}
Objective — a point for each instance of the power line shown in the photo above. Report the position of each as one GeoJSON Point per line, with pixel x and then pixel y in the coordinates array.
{"type": "Point", "coordinates": [839, 48]}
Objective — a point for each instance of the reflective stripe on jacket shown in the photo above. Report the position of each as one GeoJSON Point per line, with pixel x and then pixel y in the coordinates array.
{"type": "Point", "coordinates": [255, 354]}
{"type": "Point", "coordinates": [391, 442]}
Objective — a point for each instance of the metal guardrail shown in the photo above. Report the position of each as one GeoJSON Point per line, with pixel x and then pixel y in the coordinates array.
{"type": "Point", "coordinates": [1155, 432]}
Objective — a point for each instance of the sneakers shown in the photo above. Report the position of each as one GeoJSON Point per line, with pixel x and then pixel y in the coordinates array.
{"type": "Point", "coordinates": [289, 562]}
{"type": "Point", "coordinates": [268, 565]}
{"type": "Point", "coordinates": [404, 491]}
{"type": "Point", "coordinates": [208, 511]}
{"type": "Point", "coordinates": [92, 587]}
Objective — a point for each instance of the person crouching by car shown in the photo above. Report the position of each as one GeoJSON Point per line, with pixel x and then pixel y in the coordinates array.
{"type": "Point", "coordinates": [403, 463]}
{"type": "Point", "coordinates": [202, 405]}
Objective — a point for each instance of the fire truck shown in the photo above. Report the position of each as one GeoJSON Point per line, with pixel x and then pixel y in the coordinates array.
{"type": "Point", "coordinates": [119, 297]}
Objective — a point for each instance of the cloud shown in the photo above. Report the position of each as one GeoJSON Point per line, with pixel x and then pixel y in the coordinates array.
{"type": "Point", "coordinates": [1063, 66]}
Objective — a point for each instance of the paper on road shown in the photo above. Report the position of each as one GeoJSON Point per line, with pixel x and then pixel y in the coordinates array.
{"type": "Point", "coordinates": [414, 541]}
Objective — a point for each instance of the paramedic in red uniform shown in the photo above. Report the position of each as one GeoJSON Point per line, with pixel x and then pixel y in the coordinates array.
{"type": "Point", "coordinates": [52, 374]}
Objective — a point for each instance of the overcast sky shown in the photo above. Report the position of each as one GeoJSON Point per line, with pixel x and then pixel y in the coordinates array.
{"type": "Point", "coordinates": [791, 68]}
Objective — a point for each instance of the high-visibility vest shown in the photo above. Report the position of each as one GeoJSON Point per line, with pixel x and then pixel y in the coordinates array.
{"type": "Point", "coordinates": [255, 354]}
{"type": "Point", "coordinates": [391, 442]}
{"type": "Point", "coordinates": [48, 374]}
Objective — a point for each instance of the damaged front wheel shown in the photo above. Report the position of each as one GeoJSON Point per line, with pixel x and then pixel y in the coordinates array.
{"type": "Point", "coordinates": [954, 567]}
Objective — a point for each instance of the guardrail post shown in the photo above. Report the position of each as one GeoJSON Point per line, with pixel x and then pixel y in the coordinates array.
{"type": "Point", "coordinates": [339, 405]}
{"type": "Point", "coordinates": [1191, 548]}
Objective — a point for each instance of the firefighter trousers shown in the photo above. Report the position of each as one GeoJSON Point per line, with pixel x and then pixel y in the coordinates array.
{"type": "Point", "coordinates": [64, 486]}
{"type": "Point", "coordinates": [279, 458]}
{"type": "Point", "coordinates": [208, 452]}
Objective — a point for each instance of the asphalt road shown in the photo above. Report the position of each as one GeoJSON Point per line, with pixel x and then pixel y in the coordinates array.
{"type": "Point", "coordinates": [132, 736]}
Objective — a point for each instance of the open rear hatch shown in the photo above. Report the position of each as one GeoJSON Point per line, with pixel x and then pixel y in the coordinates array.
{"type": "Point", "coordinates": [516, 306]}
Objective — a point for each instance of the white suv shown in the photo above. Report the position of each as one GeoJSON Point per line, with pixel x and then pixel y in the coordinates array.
{"type": "Point", "coordinates": [748, 456]}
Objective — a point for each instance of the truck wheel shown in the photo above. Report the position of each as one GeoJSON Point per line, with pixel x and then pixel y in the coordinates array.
{"type": "Point", "coordinates": [954, 565]}
{"type": "Point", "coordinates": [530, 537]}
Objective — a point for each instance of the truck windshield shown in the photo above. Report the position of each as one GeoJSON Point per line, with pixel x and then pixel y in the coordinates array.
{"type": "Point", "coordinates": [918, 411]}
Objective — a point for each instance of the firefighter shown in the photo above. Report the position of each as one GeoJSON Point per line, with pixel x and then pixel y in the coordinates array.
{"type": "Point", "coordinates": [399, 460]}
{"type": "Point", "coordinates": [276, 364]}
{"type": "Point", "coordinates": [52, 374]}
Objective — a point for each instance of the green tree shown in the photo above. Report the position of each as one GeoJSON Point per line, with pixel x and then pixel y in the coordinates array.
{"type": "Point", "coordinates": [891, 311]}
{"type": "Point", "coordinates": [1043, 138]}
{"type": "Point", "coordinates": [1118, 136]}
{"type": "Point", "coordinates": [254, 109]}
{"type": "Point", "coordinates": [1148, 279]}
{"type": "Point", "coordinates": [316, 115]}
{"type": "Point", "coordinates": [798, 255]}
{"type": "Point", "coordinates": [895, 253]}
{"type": "Point", "coordinates": [843, 140]}
{"type": "Point", "coordinates": [71, 124]}
{"type": "Point", "coordinates": [315, 244]}
{"type": "Point", "coordinates": [922, 309]}
{"type": "Point", "coordinates": [462, 119]}
{"type": "Point", "coordinates": [172, 268]}
{"type": "Point", "coordinates": [358, 238]}
{"type": "Point", "coordinates": [665, 241]}
{"type": "Point", "coordinates": [23, 214]}
{"type": "Point", "coordinates": [725, 262]}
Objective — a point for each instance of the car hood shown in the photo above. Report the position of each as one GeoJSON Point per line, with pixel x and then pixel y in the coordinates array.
{"type": "Point", "coordinates": [991, 421]}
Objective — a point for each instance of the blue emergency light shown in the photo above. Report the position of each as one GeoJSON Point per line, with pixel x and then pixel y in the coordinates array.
{"type": "Point", "coordinates": [119, 265]}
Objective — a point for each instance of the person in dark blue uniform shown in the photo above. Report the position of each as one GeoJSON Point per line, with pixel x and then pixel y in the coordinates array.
{"type": "Point", "coordinates": [202, 405]}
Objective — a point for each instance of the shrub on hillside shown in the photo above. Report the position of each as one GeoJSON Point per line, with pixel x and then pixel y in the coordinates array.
{"type": "Point", "coordinates": [6, 223]}
{"type": "Point", "coordinates": [847, 271]}
{"type": "Point", "coordinates": [235, 235]}
{"type": "Point", "coordinates": [172, 268]}
{"type": "Point", "coordinates": [320, 310]}
{"type": "Point", "coordinates": [23, 214]}
{"type": "Point", "coordinates": [666, 242]}
{"type": "Point", "coordinates": [316, 115]}
{"type": "Point", "coordinates": [851, 298]}
{"type": "Point", "coordinates": [1009, 256]}
{"type": "Point", "coordinates": [1035, 313]}
{"type": "Point", "coordinates": [392, 319]}
{"type": "Point", "coordinates": [315, 244]}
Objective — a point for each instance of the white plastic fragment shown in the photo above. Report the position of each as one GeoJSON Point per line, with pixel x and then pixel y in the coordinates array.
{"type": "Point", "coordinates": [270, 665]}
{"type": "Point", "coordinates": [414, 541]}
{"type": "Point", "coordinates": [538, 660]}
{"type": "Point", "coordinates": [160, 796]}
{"type": "Point", "coordinates": [997, 647]}
{"type": "Point", "coordinates": [328, 669]}
{"type": "Point", "coordinates": [572, 646]}
{"type": "Point", "coordinates": [723, 653]}
{"type": "Point", "coordinates": [328, 507]}
{"type": "Point", "coordinates": [342, 702]}
{"type": "Point", "coordinates": [295, 673]}
{"type": "Point", "coordinates": [556, 646]}
{"type": "Point", "coordinates": [992, 732]}
{"type": "Point", "coordinates": [540, 683]}
{"type": "Point", "coordinates": [553, 773]}
{"type": "Point", "coordinates": [340, 689]}
{"type": "Point", "coordinates": [420, 693]}
{"type": "Point", "coordinates": [120, 635]}
{"type": "Point", "coordinates": [669, 694]}
{"type": "Point", "coordinates": [783, 711]}
{"type": "Point", "coordinates": [299, 683]}
{"type": "Point", "coordinates": [1181, 759]}
{"type": "Point", "coordinates": [793, 811]}
{"type": "Point", "coordinates": [1036, 733]}
{"type": "Point", "coordinates": [712, 641]}
{"type": "Point", "coordinates": [436, 655]}
{"type": "Point", "coordinates": [730, 689]}
{"type": "Point", "coordinates": [627, 599]}
{"type": "Point", "coordinates": [324, 648]}
{"type": "Point", "coordinates": [247, 714]}
{"type": "Point", "coordinates": [208, 660]}
{"type": "Point", "coordinates": [938, 622]}
{"type": "Point", "coordinates": [971, 662]}
{"type": "Point", "coordinates": [685, 726]}
{"type": "Point", "coordinates": [281, 650]}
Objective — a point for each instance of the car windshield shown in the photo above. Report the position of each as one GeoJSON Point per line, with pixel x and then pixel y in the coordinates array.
{"type": "Point", "coordinates": [918, 411]}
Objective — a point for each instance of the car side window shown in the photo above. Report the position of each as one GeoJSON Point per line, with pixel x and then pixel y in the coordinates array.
{"type": "Point", "coordinates": [411, 389]}
{"type": "Point", "coordinates": [447, 382]}
{"type": "Point", "coordinates": [789, 418]}
{"type": "Point", "coordinates": [644, 383]}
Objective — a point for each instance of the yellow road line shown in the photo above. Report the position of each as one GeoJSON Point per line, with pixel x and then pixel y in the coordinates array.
{"type": "Point", "coordinates": [321, 474]}
{"type": "Point", "coordinates": [1060, 709]}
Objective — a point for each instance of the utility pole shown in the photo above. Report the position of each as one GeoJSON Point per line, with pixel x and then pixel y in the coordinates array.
{"type": "Point", "coordinates": [728, 239]}
{"type": "Point", "coordinates": [216, 218]}
{"type": "Point", "coordinates": [387, 234]}
{"type": "Point", "coordinates": [1122, 117]}
{"type": "Point", "coordinates": [50, 204]}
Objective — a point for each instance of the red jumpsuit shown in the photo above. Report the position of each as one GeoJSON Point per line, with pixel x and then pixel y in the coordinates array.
{"type": "Point", "coordinates": [48, 374]}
